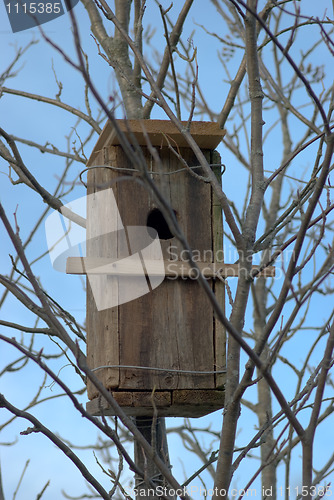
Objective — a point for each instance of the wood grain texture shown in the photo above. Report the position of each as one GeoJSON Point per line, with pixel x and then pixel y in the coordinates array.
{"type": "Point", "coordinates": [178, 403]}
{"type": "Point", "coordinates": [206, 134]}
{"type": "Point", "coordinates": [102, 326]}
{"type": "Point", "coordinates": [171, 327]}
{"type": "Point", "coordinates": [170, 269]}
{"type": "Point", "coordinates": [219, 286]}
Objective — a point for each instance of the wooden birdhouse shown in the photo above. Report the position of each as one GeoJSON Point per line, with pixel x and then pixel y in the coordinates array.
{"type": "Point", "coordinates": [158, 346]}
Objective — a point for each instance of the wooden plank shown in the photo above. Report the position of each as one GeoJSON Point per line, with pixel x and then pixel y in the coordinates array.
{"type": "Point", "coordinates": [188, 309]}
{"type": "Point", "coordinates": [206, 134]}
{"type": "Point", "coordinates": [219, 286]}
{"type": "Point", "coordinates": [177, 403]}
{"type": "Point", "coordinates": [198, 397]}
{"type": "Point", "coordinates": [135, 318]}
{"type": "Point", "coordinates": [167, 328]}
{"type": "Point", "coordinates": [171, 268]}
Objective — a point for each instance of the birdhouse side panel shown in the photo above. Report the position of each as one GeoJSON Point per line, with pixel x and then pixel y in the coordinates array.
{"type": "Point", "coordinates": [168, 338]}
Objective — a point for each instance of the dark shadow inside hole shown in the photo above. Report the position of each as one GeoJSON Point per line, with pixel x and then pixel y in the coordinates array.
{"type": "Point", "coordinates": [157, 221]}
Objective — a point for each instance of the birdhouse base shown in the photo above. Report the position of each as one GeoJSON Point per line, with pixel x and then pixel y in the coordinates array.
{"type": "Point", "coordinates": [176, 403]}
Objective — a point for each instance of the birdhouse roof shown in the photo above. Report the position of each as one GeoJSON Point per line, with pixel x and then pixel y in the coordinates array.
{"type": "Point", "coordinates": [206, 134]}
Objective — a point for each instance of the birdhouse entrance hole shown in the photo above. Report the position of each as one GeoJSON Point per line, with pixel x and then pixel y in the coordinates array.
{"type": "Point", "coordinates": [157, 221]}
